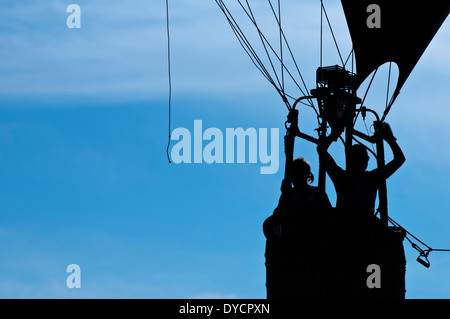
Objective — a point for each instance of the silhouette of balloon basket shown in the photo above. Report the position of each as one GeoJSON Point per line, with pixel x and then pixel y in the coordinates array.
{"type": "Point", "coordinates": [333, 256]}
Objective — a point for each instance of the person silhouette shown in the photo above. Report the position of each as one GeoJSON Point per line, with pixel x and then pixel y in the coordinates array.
{"type": "Point", "coordinates": [297, 195]}
{"type": "Point", "coordinates": [356, 188]}
{"type": "Point", "coordinates": [302, 197]}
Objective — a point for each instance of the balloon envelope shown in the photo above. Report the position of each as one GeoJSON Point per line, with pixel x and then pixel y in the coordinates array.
{"type": "Point", "coordinates": [396, 31]}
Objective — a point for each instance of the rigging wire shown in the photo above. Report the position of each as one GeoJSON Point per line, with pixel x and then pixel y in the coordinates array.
{"type": "Point", "coordinates": [365, 94]}
{"type": "Point", "coordinates": [293, 59]}
{"type": "Point", "coordinates": [353, 58]}
{"type": "Point", "coordinates": [332, 33]}
{"type": "Point", "coordinates": [388, 108]}
{"type": "Point", "coordinates": [280, 59]}
{"type": "Point", "coordinates": [170, 77]}
{"type": "Point", "coordinates": [423, 253]}
{"type": "Point", "coordinates": [281, 44]}
{"type": "Point", "coordinates": [263, 42]}
{"type": "Point", "coordinates": [348, 57]}
{"type": "Point", "coordinates": [388, 84]}
{"type": "Point", "coordinates": [244, 42]}
{"type": "Point", "coordinates": [267, 48]}
{"type": "Point", "coordinates": [321, 30]}
{"type": "Point", "coordinates": [246, 45]}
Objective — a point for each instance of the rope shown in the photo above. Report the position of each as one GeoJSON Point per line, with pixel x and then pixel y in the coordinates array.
{"type": "Point", "coordinates": [170, 78]}
{"type": "Point", "coordinates": [423, 253]}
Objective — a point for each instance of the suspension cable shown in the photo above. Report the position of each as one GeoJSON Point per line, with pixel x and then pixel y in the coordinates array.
{"type": "Point", "coordinates": [388, 108]}
{"type": "Point", "coordinates": [281, 44]}
{"type": "Point", "coordinates": [321, 30]}
{"type": "Point", "coordinates": [332, 33]}
{"type": "Point", "coordinates": [389, 83]}
{"type": "Point", "coordinates": [279, 85]}
{"type": "Point", "coordinates": [293, 60]}
{"type": "Point", "coordinates": [243, 41]}
{"type": "Point", "coordinates": [246, 45]}
{"type": "Point", "coordinates": [365, 94]}
{"type": "Point", "coordinates": [348, 57]}
{"type": "Point", "coordinates": [263, 41]}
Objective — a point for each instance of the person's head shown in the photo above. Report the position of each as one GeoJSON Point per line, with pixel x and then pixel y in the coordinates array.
{"type": "Point", "coordinates": [359, 158]}
{"type": "Point", "coordinates": [301, 172]}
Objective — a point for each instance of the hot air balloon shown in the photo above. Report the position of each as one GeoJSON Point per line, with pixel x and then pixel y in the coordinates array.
{"type": "Point", "coordinates": [299, 251]}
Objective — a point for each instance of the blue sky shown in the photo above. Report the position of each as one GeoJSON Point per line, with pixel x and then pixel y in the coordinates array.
{"type": "Point", "coordinates": [84, 176]}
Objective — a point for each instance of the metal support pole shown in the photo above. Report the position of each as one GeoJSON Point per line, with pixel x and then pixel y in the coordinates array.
{"type": "Point", "coordinates": [348, 160]}
{"type": "Point", "coordinates": [322, 171]}
{"type": "Point", "coordinates": [290, 141]}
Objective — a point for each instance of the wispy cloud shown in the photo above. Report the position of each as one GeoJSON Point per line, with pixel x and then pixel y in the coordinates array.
{"type": "Point", "coordinates": [122, 49]}
{"type": "Point", "coordinates": [113, 52]}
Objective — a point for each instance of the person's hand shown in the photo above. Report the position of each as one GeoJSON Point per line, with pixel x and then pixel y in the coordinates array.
{"type": "Point", "coordinates": [293, 116]}
{"type": "Point", "coordinates": [293, 120]}
{"type": "Point", "coordinates": [386, 133]}
{"type": "Point", "coordinates": [288, 145]}
{"type": "Point", "coordinates": [285, 185]}
{"type": "Point", "coordinates": [336, 132]}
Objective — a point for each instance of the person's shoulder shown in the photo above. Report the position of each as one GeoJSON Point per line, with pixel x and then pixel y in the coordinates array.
{"type": "Point", "coordinates": [315, 189]}
{"type": "Point", "coordinates": [320, 196]}
{"type": "Point", "coordinates": [373, 174]}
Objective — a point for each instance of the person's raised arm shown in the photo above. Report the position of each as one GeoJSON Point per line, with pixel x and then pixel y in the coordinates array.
{"type": "Point", "coordinates": [289, 140]}
{"type": "Point", "coordinates": [325, 159]}
{"type": "Point", "coordinates": [397, 153]}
